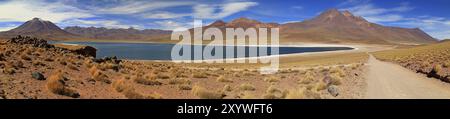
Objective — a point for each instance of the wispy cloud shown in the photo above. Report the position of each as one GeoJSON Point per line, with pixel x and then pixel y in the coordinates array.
{"type": "Point", "coordinates": [23, 10]}
{"type": "Point", "coordinates": [208, 11]}
{"type": "Point", "coordinates": [132, 7]}
{"type": "Point", "coordinates": [378, 14]}
{"type": "Point", "coordinates": [164, 15]}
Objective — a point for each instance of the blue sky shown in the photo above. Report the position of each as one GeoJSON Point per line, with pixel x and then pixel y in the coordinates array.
{"type": "Point", "coordinates": [432, 16]}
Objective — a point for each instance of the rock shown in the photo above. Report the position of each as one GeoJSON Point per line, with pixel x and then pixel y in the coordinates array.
{"type": "Point", "coordinates": [38, 76]}
{"type": "Point", "coordinates": [333, 90]}
{"type": "Point", "coordinates": [29, 40]}
{"type": "Point", "coordinates": [79, 49]}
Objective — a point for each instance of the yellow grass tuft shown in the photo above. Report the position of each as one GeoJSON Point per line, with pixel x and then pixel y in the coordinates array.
{"type": "Point", "coordinates": [308, 78]}
{"type": "Point", "coordinates": [227, 88]}
{"type": "Point", "coordinates": [272, 79]}
{"type": "Point", "coordinates": [200, 74]}
{"type": "Point", "coordinates": [223, 79]}
{"type": "Point", "coordinates": [184, 87]}
{"type": "Point", "coordinates": [56, 84]}
{"type": "Point", "coordinates": [148, 80]}
{"type": "Point", "coordinates": [206, 94]}
{"type": "Point", "coordinates": [302, 93]}
{"type": "Point", "coordinates": [247, 87]}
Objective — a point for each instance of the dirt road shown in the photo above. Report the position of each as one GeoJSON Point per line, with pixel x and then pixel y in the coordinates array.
{"type": "Point", "coordinates": [387, 81]}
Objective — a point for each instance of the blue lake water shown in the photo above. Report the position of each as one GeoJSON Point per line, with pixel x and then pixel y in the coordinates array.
{"type": "Point", "coordinates": [157, 51]}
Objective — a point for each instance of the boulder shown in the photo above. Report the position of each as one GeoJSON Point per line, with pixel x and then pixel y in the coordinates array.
{"type": "Point", "coordinates": [333, 90]}
{"type": "Point", "coordinates": [79, 49]}
{"type": "Point", "coordinates": [38, 76]}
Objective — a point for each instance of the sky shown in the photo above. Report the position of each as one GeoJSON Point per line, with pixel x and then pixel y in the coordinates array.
{"type": "Point", "coordinates": [432, 16]}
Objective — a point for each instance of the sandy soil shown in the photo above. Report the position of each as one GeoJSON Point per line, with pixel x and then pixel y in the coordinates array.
{"type": "Point", "coordinates": [391, 81]}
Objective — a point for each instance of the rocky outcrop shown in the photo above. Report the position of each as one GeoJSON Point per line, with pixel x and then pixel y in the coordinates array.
{"type": "Point", "coordinates": [79, 49]}
{"type": "Point", "coordinates": [35, 42]}
{"type": "Point", "coordinates": [29, 40]}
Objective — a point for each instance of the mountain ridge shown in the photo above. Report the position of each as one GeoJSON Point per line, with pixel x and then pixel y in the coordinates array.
{"type": "Point", "coordinates": [331, 26]}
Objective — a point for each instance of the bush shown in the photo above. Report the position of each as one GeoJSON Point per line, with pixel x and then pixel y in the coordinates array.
{"type": "Point", "coordinates": [56, 85]}
{"type": "Point", "coordinates": [308, 78]}
{"type": "Point", "coordinates": [272, 79]}
{"type": "Point", "coordinates": [25, 57]}
{"type": "Point", "coordinates": [150, 80]}
{"type": "Point", "coordinates": [302, 93]}
{"type": "Point", "coordinates": [227, 88]}
{"type": "Point", "coordinates": [335, 79]}
{"type": "Point", "coordinates": [184, 87]}
{"type": "Point", "coordinates": [247, 87]}
{"type": "Point", "coordinates": [206, 94]}
{"type": "Point", "coordinates": [223, 79]}
{"type": "Point", "coordinates": [132, 94]}
{"type": "Point", "coordinates": [200, 74]}
{"type": "Point", "coordinates": [120, 85]}
{"type": "Point", "coordinates": [178, 81]}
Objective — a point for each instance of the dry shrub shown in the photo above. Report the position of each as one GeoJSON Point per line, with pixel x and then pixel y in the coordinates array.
{"type": "Point", "coordinates": [338, 71]}
{"type": "Point", "coordinates": [148, 80]}
{"type": "Point", "coordinates": [162, 76]}
{"type": "Point", "coordinates": [223, 79]}
{"type": "Point", "coordinates": [178, 81]}
{"type": "Point", "coordinates": [184, 87]}
{"type": "Point", "coordinates": [247, 87]}
{"type": "Point", "coordinates": [336, 79]}
{"type": "Point", "coordinates": [302, 93]}
{"type": "Point", "coordinates": [73, 67]}
{"type": "Point", "coordinates": [308, 78]}
{"type": "Point", "coordinates": [437, 68]}
{"type": "Point", "coordinates": [272, 79]}
{"type": "Point", "coordinates": [247, 95]}
{"type": "Point", "coordinates": [133, 94]}
{"type": "Point", "coordinates": [227, 88]}
{"type": "Point", "coordinates": [447, 63]}
{"type": "Point", "coordinates": [206, 94]}
{"type": "Point", "coordinates": [274, 93]}
{"type": "Point", "coordinates": [56, 84]}
{"type": "Point", "coordinates": [320, 86]}
{"type": "Point", "coordinates": [25, 57]}
{"type": "Point", "coordinates": [100, 76]}
{"type": "Point", "coordinates": [120, 85]}
{"type": "Point", "coordinates": [200, 74]}
{"type": "Point", "coordinates": [9, 70]}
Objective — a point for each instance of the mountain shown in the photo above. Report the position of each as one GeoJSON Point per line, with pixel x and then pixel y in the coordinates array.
{"type": "Point", "coordinates": [39, 28]}
{"type": "Point", "coordinates": [334, 26]}
{"type": "Point", "coordinates": [242, 23]}
{"type": "Point", "coordinates": [118, 33]}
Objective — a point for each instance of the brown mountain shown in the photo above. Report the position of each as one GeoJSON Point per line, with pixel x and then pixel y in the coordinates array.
{"type": "Point", "coordinates": [39, 28]}
{"type": "Point", "coordinates": [242, 23]}
{"type": "Point", "coordinates": [333, 26]}
{"type": "Point", "coordinates": [118, 33]}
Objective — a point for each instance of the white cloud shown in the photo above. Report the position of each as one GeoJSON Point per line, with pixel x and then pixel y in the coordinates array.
{"type": "Point", "coordinates": [172, 25]}
{"type": "Point", "coordinates": [163, 15]}
{"type": "Point", "coordinates": [24, 10]}
{"type": "Point", "coordinates": [378, 14]}
{"type": "Point", "coordinates": [8, 27]}
{"type": "Point", "coordinates": [206, 11]}
{"type": "Point", "coordinates": [132, 7]}
{"type": "Point", "coordinates": [99, 23]}
{"type": "Point", "coordinates": [385, 18]}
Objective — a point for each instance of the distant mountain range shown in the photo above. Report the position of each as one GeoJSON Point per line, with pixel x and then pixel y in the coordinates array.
{"type": "Point", "coordinates": [331, 26]}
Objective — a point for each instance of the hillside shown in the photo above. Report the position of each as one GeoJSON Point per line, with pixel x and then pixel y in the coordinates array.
{"type": "Point", "coordinates": [333, 26]}
{"type": "Point", "coordinates": [117, 33]}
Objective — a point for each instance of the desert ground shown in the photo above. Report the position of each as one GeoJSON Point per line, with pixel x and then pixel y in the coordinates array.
{"type": "Point", "coordinates": [36, 70]}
